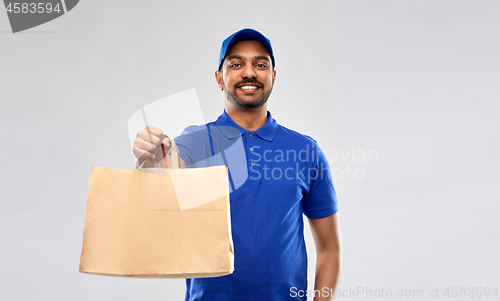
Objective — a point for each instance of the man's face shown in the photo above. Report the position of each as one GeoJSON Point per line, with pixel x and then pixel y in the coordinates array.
{"type": "Point", "coordinates": [247, 75]}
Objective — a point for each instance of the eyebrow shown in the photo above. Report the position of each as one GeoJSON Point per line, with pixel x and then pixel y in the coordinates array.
{"type": "Point", "coordinates": [234, 57]}
{"type": "Point", "coordinates": [257, 57]}
{"type": "Point", "coordinates": [261, 57]}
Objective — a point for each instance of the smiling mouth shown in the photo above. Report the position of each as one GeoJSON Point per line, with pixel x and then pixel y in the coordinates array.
{"type": "Point", "coordinates": [248, 87]}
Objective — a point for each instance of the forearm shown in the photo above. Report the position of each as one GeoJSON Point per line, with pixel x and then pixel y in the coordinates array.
{"type": "Point", "coordinates": [328, 269]}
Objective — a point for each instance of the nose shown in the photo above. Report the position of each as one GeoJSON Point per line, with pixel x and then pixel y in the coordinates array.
{"type": "Point", "coordinates": [248, 71]}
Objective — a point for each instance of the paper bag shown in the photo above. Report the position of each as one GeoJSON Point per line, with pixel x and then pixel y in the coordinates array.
{"type": "Point", "coordinates": [134, 226]}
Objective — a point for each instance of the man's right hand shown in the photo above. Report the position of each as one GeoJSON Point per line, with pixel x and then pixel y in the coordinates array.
{"type": "Point", "coordinates": [148, 147]}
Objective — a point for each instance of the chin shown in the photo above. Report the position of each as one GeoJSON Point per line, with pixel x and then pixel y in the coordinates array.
{"type": "Point", "coordinates": [247, 101]}
{"type": "Point", "coordinates": [250, 104]}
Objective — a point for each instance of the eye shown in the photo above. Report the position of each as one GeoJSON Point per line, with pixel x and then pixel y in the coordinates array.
{"type": "Point", "coordinates": [235, 65]}
{"type": "Point", "coordinates": [261, 65]}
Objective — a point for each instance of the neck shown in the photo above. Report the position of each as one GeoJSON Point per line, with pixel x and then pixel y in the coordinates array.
{"type": "Point", "coordinates": [249, 119]}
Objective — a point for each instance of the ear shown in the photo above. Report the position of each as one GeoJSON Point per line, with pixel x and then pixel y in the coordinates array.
{"type": "Point", "coordinates": [218, 79]}
{"type": "Point", "coordinates": [274, 76]}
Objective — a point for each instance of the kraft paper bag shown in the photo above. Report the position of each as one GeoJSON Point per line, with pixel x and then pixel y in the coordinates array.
{"type": "Point", "coordinates": [134, 225]}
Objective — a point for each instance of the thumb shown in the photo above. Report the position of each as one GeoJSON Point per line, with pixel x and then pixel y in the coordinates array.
{"type": "Point", "coordinates": [166, 142]}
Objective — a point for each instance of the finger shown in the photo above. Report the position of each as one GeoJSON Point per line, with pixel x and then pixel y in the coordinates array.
{"type": "Point", "coordinates": [154, 131]}
{"type": "Point", "coordinates": [166, 142]}
{"type": "Point", "coordinates": [147, 146]}
{"type": "Point", "coordinates": [144, 151]}
{"type": "Point", "coordinates": [149, 138]}
{"type": "Point", "coordinates": [142, 155]}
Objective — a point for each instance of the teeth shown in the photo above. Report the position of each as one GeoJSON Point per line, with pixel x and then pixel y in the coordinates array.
{"type": "Point", "coordinates": [248, 87]}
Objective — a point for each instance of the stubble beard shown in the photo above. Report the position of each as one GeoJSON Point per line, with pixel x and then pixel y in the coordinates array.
{"type": "Point", "coordinates": [245, 105]}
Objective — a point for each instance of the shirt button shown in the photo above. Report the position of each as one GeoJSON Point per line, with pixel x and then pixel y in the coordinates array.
{"type": "Point", "coordinates": [253, 163]}
{"type": "Point", "coordinates": [250, 135]}
{"type": "Point", "coordinates": [251, 149]}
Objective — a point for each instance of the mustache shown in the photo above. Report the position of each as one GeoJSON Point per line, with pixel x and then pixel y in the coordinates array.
{"type": "Point", "coordinates": [249, 81]}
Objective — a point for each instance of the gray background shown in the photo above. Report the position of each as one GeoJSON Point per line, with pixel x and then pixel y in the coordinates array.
{"type": "Point", "coordinates": [416, 81]}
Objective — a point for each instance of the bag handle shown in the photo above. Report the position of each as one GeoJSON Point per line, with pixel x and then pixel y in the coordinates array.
{"type": "Point", "coordinates": [173, 147]}
{"type": "Point", "coordinates": [175, 154]}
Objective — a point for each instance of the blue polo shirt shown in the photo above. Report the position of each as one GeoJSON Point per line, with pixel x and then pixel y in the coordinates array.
{"type": "Point", "coordinates": [276, 174]}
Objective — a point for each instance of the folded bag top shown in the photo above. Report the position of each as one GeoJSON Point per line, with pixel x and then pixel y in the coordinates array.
{"type": "Point", "coordinates": [158, 223]}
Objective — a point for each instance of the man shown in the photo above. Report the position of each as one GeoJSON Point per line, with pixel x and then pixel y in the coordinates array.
{"type": "Point", "coordinates": [266, 208]}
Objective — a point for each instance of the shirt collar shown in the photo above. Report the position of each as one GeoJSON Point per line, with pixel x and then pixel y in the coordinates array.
{"type": "Point", "coordinates": [266, 132]}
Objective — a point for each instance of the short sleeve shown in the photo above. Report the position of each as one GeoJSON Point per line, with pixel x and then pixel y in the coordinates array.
{"type": "Point", "coordinates": [184, 143]}
{"type": "Point", "coordinates": [321, 198]}
{"type": "Point", "coordinates": [194, 146]}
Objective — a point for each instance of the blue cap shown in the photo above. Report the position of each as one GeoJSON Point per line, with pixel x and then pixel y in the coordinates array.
{"type": "Point", "coordinates": [244, 34]}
